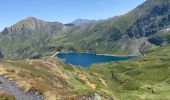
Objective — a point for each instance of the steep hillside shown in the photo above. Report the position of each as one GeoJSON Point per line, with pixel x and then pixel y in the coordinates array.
{"type": "Point", "coordinates": [137, 79]}
{"type": "Point", "coordinates": [27, 35]}
{"type": "Point", "coordinates": [130, 34]}
{"type": "Point", "coordinates": [144, 30]}
{"type": "Point", "coordinates": [59, 81]}
{"type": "Point", "coordinates": [145, 78]}
{"type": "Point", "coordinates": [98, 38]}
{"type": "Point", "coordinates": [153, 22]}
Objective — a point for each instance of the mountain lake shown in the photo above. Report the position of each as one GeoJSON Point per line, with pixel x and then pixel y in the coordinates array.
{"type": "Point", "coordinates": [86, 59]}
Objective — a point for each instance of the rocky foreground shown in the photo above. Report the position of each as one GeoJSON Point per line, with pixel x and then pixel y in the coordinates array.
{"type": "Point", "coordinates": [10, 87]}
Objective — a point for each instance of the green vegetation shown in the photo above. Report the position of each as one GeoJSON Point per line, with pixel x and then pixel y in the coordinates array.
{"type": "Point", "coordinates": [57, 79]}
{"type": "Point", "coordinates": [34, 38]}
{"type": "Point", "coordinates": [124, 35]}
{"type": "Point", "coordinates": [141, 78]}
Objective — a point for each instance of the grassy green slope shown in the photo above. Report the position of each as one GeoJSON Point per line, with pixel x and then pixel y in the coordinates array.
{"type": "Point", "coordinates": [27, 36]}
{"type": "Point", "coordinates": [141, 78]}
{"type": "Point", "coordinates": [100, 38]}
{"type": "Point", "coordinates": [33, 38]}
{"type": "Point", "coordinates": [109, 36]}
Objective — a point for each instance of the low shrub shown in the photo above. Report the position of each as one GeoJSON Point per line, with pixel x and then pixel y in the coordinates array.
{"type": "Point", "coordinates": [131, 85]}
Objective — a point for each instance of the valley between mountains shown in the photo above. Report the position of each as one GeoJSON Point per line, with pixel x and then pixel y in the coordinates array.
{"type": "Point", "coordinates": [26, 50]}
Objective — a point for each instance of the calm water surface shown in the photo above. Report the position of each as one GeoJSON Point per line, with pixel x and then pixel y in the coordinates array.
{"type": "Point", "coordinates": [86, 59]}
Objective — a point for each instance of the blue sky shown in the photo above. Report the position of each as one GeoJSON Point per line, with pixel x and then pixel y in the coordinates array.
{"type": "Point", "coordinates": [62, 10]}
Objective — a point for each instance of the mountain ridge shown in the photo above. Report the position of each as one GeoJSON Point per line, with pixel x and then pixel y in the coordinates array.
{"type": "Point", "coordinates": [27, 34]}
{"type": "Point", "coordinates": [80, 21]}
{"type": "Point", "coordinates": [143, 31]}
{"type": "Point", "coordinates": [123, 35]}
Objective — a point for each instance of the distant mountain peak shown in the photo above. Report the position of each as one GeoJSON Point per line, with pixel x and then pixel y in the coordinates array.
{"type": "Point", "coordinates": [80, 21]}
{"type": "Point", "coordinates": [30, 18]}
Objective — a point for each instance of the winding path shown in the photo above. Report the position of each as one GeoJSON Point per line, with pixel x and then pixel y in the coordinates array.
{"type": "Point", "coordinates": [10, 87]}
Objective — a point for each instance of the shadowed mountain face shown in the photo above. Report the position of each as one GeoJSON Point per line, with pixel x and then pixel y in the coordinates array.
{"type": "Point", "coordinates": [155, 18]}
{"type": "Point", "coordinates": [145, 26]}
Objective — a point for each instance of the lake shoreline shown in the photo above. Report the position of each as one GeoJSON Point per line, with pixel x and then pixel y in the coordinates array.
{"type": "Point", "coordinates": [116, 55]}
{"type": "Point", "coordinates": [96, 54]}
{"type": "Point", "coordinates": [85, 59]}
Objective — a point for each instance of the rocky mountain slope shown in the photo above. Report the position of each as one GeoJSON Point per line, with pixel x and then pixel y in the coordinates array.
{"type": "Point", "coordinates": [143, 30]}
{"type": "Point", "coordinates": [9, 87]}
{"type": "Point", "coordinates": [155, 17]}
{"type": "Point", "coordinates": [27, 35]}
{"type": "Point", "coordinates": [130, 34]}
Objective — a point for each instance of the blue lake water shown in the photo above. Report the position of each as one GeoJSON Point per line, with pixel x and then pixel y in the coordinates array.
{"type": "Point", "coordinates": [86, 59]}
